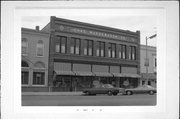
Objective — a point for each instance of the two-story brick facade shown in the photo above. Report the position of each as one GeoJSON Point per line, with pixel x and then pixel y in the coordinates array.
{"type": "Point", "coordinates": [81, 53]}
{"type": "Point", "coordinates": [35, 53]}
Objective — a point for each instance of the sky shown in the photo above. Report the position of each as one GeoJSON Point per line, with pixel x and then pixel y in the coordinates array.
{"type": "Point", "coordinates": [147, 25]}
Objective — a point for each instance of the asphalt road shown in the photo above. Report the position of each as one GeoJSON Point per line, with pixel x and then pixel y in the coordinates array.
{"type": "Point", "coordinates": [98, 100]}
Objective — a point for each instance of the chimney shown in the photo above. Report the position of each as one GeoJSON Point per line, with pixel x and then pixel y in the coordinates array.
{"type": "Point", "coordinates": [37, 28]}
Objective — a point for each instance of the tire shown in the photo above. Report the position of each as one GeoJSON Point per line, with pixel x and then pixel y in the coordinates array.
{"type": "Point", "coordinates": [109, 93]}
{"type": "Point", "coordinates": [151, 92]}
{"type": "Point", "coordinates": [87, 93]}
{"type": "Point", "coordinates": [115, 94]}
{"type": "Point", "coordinates": [129, 92]}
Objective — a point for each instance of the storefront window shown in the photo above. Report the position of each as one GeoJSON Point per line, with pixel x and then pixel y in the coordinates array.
{"type": "Point", "coordinates": [38, 78]}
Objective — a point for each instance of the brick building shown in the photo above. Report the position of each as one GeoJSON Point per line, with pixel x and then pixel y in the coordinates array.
{"type": "Point", "coordinates": [34, 53]}
{"type": "Point", "coordinates": [148, 74]}
{"type": "Point", "coordinates": [81, 54]}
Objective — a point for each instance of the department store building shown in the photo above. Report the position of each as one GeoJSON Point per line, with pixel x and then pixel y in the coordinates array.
{"type": "Point", "coordinates": [80, 54]}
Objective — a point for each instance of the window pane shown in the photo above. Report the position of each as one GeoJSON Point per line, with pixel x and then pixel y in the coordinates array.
{"type": "Point", "coordinates": [24, 46]}
{"type": "Point", "coordinates": [40, 48]}
{"type": "Point", "coordinates": [109, 50]}
{"type": "Point", "coordinates": [97, 52]}
{"type": "Point", "coordinates": [72, 46]}
{"type": "Point", "coordinates": [90, 51]}
{"type": "Point", "coordinates": [24, 77]}
{"type": "Point", "coordinates": [90, 47]}
{"type": "Point", "coordinates": [130, 52]}
{"type": "Point", "coordinates": [85, 47]}
{"type": "Point", "coordinates": [102, 49]}
{"type": "Point", "coordinates": [77, 46]}
{"type": "Point", "coordinates": [40, 52]}
{"type": "Point", "coordinates": [113, 50]}
{"type": "Point", "coordinates": [38, 78]}
{"type": "Point", "coordinates": [63, 44]}
{"type": "Point", "coordinates": [57, 47]}
{"type": "Point", "coordinates": [124, 52]}
{"type": "Point", "coordinates": [120, 51]}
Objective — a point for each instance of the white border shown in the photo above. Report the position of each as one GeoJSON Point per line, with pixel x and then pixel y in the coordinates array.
{"type": "Point", "coordinates": [167, 60]}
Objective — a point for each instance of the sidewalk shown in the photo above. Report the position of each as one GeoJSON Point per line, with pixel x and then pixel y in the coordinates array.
{"type": "Point", "coordinates": [54, 93]}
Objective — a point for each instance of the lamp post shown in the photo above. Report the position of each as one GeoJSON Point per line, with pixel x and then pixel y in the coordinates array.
{"type": "Point", "coordinates": [147, 60]}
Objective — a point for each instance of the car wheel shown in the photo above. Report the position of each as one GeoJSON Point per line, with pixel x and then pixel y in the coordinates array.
{"type": "Point", "coordinates": [109, 93]}
{"type": "Point", "coordinates": [87, 93]}
{"type": "Point", "coordinates": [151, 92]}
{"type": "Point", "coordinates": [129, 92]}
{"type": "Point", "coordinates": [114, 93]}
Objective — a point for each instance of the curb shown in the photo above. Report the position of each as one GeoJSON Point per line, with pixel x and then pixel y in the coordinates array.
{"type": "Point", "coordinates": [52, 93]}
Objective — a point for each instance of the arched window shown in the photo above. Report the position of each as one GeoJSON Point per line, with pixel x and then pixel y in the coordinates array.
{"type": "Point", "coordinates": [24, 73]}
{"type": "Point", "coordinates": [40, 48]}
{"type": "Point", "coordinates": [24, 49]}
{"type": "Point", "coordinates": [39, 73]}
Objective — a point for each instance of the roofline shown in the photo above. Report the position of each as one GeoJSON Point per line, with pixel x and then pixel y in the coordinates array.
{"type": "Point", "coordinates": [97, 26]}
{"type": "Point", "coordinates": [33, 30]}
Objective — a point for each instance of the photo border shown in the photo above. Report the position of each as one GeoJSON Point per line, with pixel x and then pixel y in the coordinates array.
{"type": "Point", "coordinates": [14, 90]}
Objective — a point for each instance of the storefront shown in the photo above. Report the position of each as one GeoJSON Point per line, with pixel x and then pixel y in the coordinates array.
{"type": "Point", "coordinates": [148, 79]}
{"type": "Point", "coordinates": [76, 77]}
{"type": "Point", "coordinates": [82, 54]}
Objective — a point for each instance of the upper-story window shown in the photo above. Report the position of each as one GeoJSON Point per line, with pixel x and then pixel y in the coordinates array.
{"type": "Point", "coordinates": [112, 50]}
{"type": "Point", "coordinates": [122, 51]}
{"type": "Point", "coordinates": [132, 53]}
{"type": "Point", "coordinates": [88, 47]}
{"type": "Point", "coordinates": [75, 46]}
{"type": "Point", "coordinates": [24, 49]}
{"type": "Point", "coordinates": [60, 45]}
{"type": "Point", "coordinates": [40, 48]}
{"type": "Point", "coordinates": [100, 50]}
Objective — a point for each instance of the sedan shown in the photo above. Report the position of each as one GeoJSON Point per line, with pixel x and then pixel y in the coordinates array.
{"type": "Point", "coordinates": [140, 90]}
{"type": "Point", "coordinates": [103, 89]}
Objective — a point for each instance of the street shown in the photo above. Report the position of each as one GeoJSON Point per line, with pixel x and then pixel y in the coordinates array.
{"type": "Point", "coordinates": [98, 100]}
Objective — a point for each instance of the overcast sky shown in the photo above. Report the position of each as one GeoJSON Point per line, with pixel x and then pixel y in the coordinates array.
{"type": "Point", "coordinates": [145, 24]}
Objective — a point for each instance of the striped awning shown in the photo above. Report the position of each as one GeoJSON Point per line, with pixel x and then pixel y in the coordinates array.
{"type": "Point", "coordinates": [64, 72]}
{"type": "Point", "coordinates": [81, 73]}
{"type": "Point", "coordinates": [126, 75]}
{"type": "Point", "coordinates": [103, 74]}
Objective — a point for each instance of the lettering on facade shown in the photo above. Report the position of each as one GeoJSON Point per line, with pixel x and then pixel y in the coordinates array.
{"type": "Point", "coordinates": [95, 33]}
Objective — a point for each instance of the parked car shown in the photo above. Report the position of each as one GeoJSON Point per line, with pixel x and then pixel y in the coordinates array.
{"type": "Point", "coordinates": [142, 89]}
{"type": "Point", "coordinates": [103, 89]}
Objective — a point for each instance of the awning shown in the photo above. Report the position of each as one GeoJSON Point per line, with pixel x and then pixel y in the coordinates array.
{"type": "Point", "coordinates": [126, 75]}
{"type": "Point", "coordinates": [65, 72]}
{"type": "Point", "coordinates": [80, 73]}
{"type": "Point", "coordinates": [117, 74]}
{"type": "Point", "coordinates": [103, 74]}
{"type": "Point", "coordinates": [130, 75]}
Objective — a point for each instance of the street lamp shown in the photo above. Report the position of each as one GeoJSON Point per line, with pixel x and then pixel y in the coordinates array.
{"type": "Point", "coordinates": [147, 60]}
